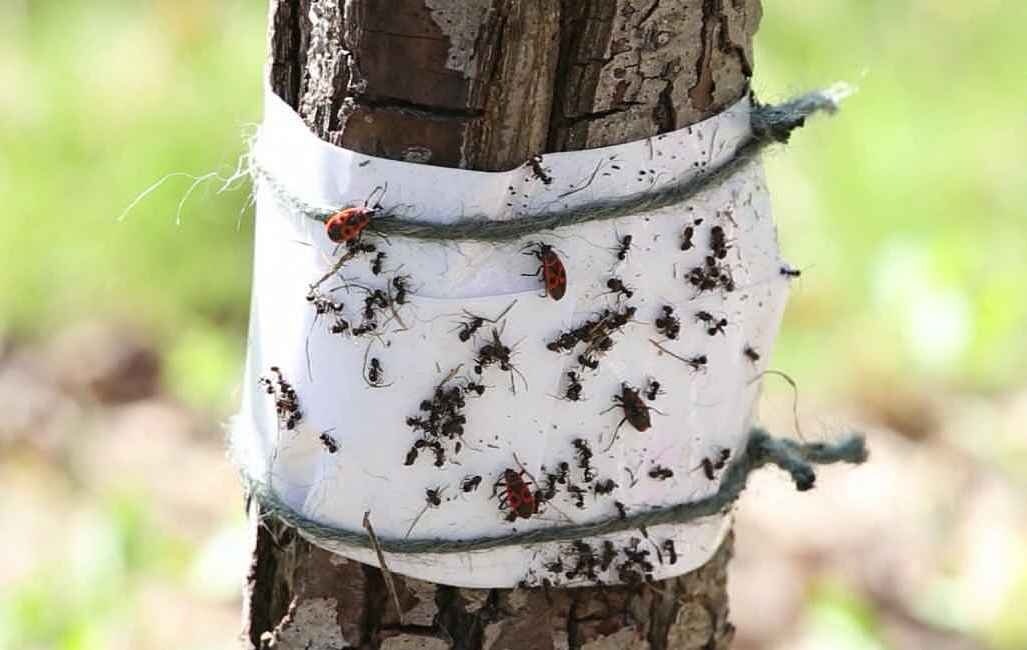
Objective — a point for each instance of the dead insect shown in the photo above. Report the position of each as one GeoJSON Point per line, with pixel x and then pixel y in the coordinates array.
{"type": "Point", "coordinates": [287, 405]}
{"type": "Point", "coordinates": [574, 387]}
{"type": "Point", "coordinates": [470, 483]}
{"type": "Point", "coordinates": [469, 327]}
{"type": "Point", "coordinates": [376, 263]}
{"type": "Point", "coordinates": [535, 162]}
{"type": "Point", "coordinates": [605, 487]}
{"type": "Point", "coordinates": [697, 363]}
{"type": "Point", "coordinates": [652, 390]}
{"type": "Point", "coordinates": [516, 495]}
{"type": "Point", "coordinates": [411, 456]}
{"type": "Point", "coordinates": [636, 413]}
{"type": "Point", "coordinates": [711, 467]}
{"type": "Point", "coordinates": [686, 238]}
{"type": "Point", "coordinates": [433, 496]}
{"type": "Point", "coordinates": [713, 325]}
{"type": "Point", "coordinates": [624, 245]}
{"type": "Point", "coordinates": [615, 285]}
{"type": "Point", "coordinates": [367, 326]}
{"type": "Point", "coordinates": [668, 324]}
{"type": "Point", "coordinates": [718, 243]}
{"type": "Point", "coordinates": [608, 556]}
{"type": "Point", "coordinates": [789, 272]}
{"type": "Point", "coordinates": [374, 372]}
{"type": "Point", "coordinates": [554, 275]}
{"type": "Point", "coordinates": [578, 494]}
{"type": "Point", "coordinates": [329, 442]}
{"type": "Point", "coordinates": [584, 454]}
{"type": "Point", "coordinates": [622, 512]}
{"type": "Point", "coordinates": [661, 473]}
{"type": "Point", "coordinates": [399, 283]}
{"type": "Point", "coordinates": [672, 553]}
{"type": "Point", "coordinates": [474, 387]}
{"type": "Point", "coordinates": [751, 353]}
{"type": "Point", "coordinates": [322, 304]}
{"type": "Point", "coordinates": [339, 326]}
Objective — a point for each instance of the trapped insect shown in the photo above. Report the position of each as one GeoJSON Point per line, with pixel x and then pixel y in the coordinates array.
{"type": "Point", "coordinates": [636, 413]}
{"type": "Point", "coordinates": [652, 391]}
{"type": "Point", "coordinates": [624, 245]}
{"type": "Point", "coordinates": [329, 442]}
{"type": "Point", "coordinates": [751, 353]}
{"type": "Point", "coordinates": [516, 495]}
{"type": "Point", "coordinates": [712, 324]}
{"type": "Point", "coordinates": [661, 473]}
{"type": "Point", "coordinates": [616, 285]}
{"type": "Point", "coordinates": [668, 324]}
{"type": "Point", "coordinates": [348, 224]}
{"type": "Point", "coordinates": [470, 483]}
{"type": "Point", "coordinates": [535, 162]}
{"type": "Point", "coordinates": [573, 387]}
{"type": "Point", "coordinates": [554, 275]}
{"type": "Point", "coordinates": [711, 467]}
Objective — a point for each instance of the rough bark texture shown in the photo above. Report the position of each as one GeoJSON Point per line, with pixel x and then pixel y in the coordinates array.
{"type": "Point", "coordinates": [485, 84]}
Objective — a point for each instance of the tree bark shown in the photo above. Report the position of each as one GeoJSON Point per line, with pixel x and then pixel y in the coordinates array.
{"type": "Point", "coordinates": [486, 84]}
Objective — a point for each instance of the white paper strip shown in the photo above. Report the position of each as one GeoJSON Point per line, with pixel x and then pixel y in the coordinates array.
{"type": "Point", "coordinates": [702, 410]}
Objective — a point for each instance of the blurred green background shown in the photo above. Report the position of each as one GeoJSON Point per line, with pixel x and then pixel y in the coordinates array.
{"type": "Point", "coordinates": [121, 341]}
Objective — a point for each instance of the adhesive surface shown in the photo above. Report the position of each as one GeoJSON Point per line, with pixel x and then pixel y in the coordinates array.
{"type": "Point", "coordinates": [373, 433]}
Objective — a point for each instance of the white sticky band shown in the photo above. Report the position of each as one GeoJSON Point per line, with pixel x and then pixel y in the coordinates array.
{"type": "Point", "coordinates": [702, 409]}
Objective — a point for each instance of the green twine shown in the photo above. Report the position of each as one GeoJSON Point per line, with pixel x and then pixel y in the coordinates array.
{"type": "Point", "coordinates": [770, 124]}
{"type": "Point", "coordinates": [761, 449]}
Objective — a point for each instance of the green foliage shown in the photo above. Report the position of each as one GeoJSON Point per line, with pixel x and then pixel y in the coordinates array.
{"type": "Point", "coordinates": [907, 208]}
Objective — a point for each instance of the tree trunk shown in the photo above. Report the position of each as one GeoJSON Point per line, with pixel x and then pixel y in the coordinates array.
{"type": "Point", "coordinates": [486, 84]}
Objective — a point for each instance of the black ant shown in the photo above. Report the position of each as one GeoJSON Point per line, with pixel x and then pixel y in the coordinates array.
{"type": "Point", "coordinates": [474, 387]}
{"type": "Point", "coordinates": [374, 372]}
{"type": "Point", "coordinates": [433, 497]}
{"type": "Point", "coordinates": [616, 285]}
{"type": "Point", "coordinates": [574, 387]}
{"type": "Point", "coordinates": [376, 263]}
{"type": "Point", "coordinates": [622, 512]}
{"type": "Point", "coordinates": [668, 324]}
{"type": "Point", "coordinates": [661, 473]}
{"type": "Point", "coordinates": [697, 363]}
{"type": "Point", "coordinates": [329, 442]}
{"type": "Point", "coordinates": [474, 323]}
{"type": "Point", "coordinates": [608, 556]}
{"type": "Point", "coordinates": [718, 243]}
{"type": "Point", "coordinates": [623, 247]}
{"type": "Point", "coordinates": [470, 483]}
{"type": "Point", "coordinates": [711, 467]}
{"type": "Point", "coordinates": [686, 238]}
{"type": "Point", "coordinates": [368, 326]}
{"type": "Point", "coordinates": [713, 326]}
{"type": "Point", "coordinates": [653, 390]}
{"type": "Point", "coordinates": [535, 162]}
{"type": "Point", "coordinates": [400, 284]}
{"type": "Point", "coordinates": [287, 404]}
{"type": "Point", "coordinates": [578, 494]}
{"type": "Point", "coordinates": [605, 487]}
{"type": "Point", "coordinates": [323, 305]}
{"type": "Point", "coordinates": [468, 328]}
{"type": "Point", "coordinates": [789, 272]}
{"type": "Point", "coordinates": [339, 326]}
{"type": "Point", "coordinates": [668, 548]}
{"type": "Point", "coordinates": [751, 353]}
